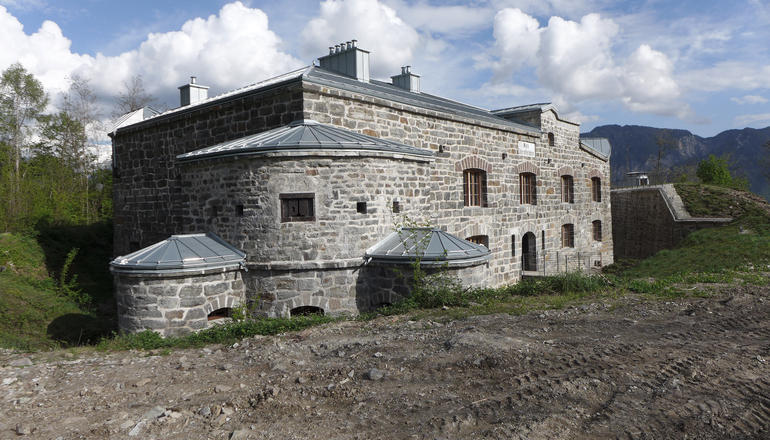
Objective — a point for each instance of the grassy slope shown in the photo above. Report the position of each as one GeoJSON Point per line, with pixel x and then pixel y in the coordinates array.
{"type": "Point", "coordinates": [28, 298]}
{"type": "Point", "coordinates": [743, 244]}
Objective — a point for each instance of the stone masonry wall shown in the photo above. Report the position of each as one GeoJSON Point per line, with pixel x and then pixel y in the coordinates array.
{"type": "Point", "coordinates": [505, 220]}
{"type": "Point", "coordinates": [147, 187]}
{"type": "Point", "coordinates": [339, 235]}
{"type": "Point", "coordinates": [174, 304]}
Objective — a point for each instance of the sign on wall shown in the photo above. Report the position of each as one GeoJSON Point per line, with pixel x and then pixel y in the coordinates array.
{"type": "Point", "coordinates": [527, 148]}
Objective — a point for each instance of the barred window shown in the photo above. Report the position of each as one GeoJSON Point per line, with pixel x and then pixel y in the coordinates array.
{"type": "Point", "coordinates": [297, 207]}
{"type": "Point", "coordinates": [475, 187]}
{"type": "Point", "coordinates": [479, 239]}
{"type": "Point", "coordinates": [597, 227]}
{"type": "Point", "coordinates": [527, 188]}
{"type": "Point", "coordinates": [568, 235]}
{"type": "Point", "coordinates": [596, 189]}
{"type": "Point", "coordinates": [567, 189]}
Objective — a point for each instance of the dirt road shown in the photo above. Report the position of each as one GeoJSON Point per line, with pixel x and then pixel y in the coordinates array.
{"type": "Point", "coordinates": [695, 369]}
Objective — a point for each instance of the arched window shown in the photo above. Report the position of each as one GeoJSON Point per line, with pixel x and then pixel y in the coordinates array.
{"type": "Point", "coordinates": [527, 189]}
{"type": "Point", "coordinates": [567, 189]}
{"type": "Point", "coordinates": [597, 228]}
{"type": "Point", "coordinates": [475, 187]}
{"type": "Point", "coordinates": [551, 139]}
{"type": "Point", "coordinates": [596, 189]}
{"type": "Point", "coordinates": [568, 235]}
{"type": "Point", "coordinates": [224, 312]}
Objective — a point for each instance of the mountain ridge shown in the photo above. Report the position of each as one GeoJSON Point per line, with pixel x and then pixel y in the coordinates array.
{"type": "Point", "coordinates": [634, 148]}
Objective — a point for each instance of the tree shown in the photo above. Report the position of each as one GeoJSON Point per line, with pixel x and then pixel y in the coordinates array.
{"type": "Point", "coordinates": [716, 171]}
{"type": "Point", "coordinates": [133, 97]}
{"type": "Point", "coordinates": [665, 142]}
{"type": "Point", "coordinates": [79, 104]}
{"type": "Point", "coordinates": [22, 100]}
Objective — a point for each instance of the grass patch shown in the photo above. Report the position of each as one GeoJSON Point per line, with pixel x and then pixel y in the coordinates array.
{"type": "Point", "coordinates": [219, 334]}
{"type": "Point", "coordinates": [33, 313]}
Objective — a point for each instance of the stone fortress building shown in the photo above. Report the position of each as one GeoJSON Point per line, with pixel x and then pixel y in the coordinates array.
{"type": "Point", "coordinates": [304, 192]}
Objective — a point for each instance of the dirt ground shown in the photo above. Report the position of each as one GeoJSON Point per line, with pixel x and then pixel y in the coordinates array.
{"type": "Point", "coordinates": [697, 369]}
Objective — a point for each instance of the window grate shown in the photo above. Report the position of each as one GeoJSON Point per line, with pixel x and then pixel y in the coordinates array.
{"type": "Point", "coordinates": [568, 236]}
{"type": "Point", "coordinates": [528, 189]}
{"type": "Point", "coordinates": [567, 189]}
{"type": "Point", "coordinates": [297, 207]}
{"type": "Point", "coordinates": [475, 187]}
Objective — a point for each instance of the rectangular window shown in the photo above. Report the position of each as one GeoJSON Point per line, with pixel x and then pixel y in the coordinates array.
{"type": "Point", "coordinates": [479, 239]}
{"type": "Point", "coordinates": [568, 235]}
{"type": "Point", "coordinates": [475, 187]}
{"type": "Point", "coordinates": [597, 227]}
{"type": "Point", "coordinates": [297, 207]}
{"type": "Point", "coordinates": [596, 189]}
{"type": "Point", "coordinates": [361, 207]}
{"type": "Point", "coordinates": [528, 189]}
{"type": "Point", "coordinates": [239, 210]}
{"type": "Point", "coordinates": [567, 189]}
{"type": "Point", "coordinates": [513, 245]}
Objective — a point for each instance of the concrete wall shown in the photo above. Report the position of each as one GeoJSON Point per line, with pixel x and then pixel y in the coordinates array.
{"type": "Point", "coordinates": [643, 223]}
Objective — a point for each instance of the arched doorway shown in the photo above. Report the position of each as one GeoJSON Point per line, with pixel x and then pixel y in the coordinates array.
{"type": "Point", "coordinates": [529, 252]}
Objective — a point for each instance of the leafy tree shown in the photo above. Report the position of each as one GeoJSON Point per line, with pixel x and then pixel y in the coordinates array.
{"type": "Point", "coordinates": [716, 171]}
{"type": "Point", "coordinates": [22, 100]}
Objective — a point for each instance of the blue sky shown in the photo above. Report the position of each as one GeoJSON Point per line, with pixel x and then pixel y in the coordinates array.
{"type": "Point", "coordinates": [699, 65]}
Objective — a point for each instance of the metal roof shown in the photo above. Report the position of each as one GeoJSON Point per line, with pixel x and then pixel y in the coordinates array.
{"type": "Point", "coordinates": [181, 253]}
{"type": "Point", "coordinates": [543, 106]}
{"type": "Point", "coordinates": [374, 88]}
{"type": "Point", "coordinates": [431, 246]}
{"type": "Point", "coordinates": [600, 146]}
{"type": "Point", "coordinates": [385, 90]}
{"type": "Point", "coordinates": [303, 135]}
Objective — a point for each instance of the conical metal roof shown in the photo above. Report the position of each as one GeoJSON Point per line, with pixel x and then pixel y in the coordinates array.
{"type": "Point", "coordinates": [431, 246]}
{"type": "Point", "coordinates": [304, 135]}
{"type": "Point", "coordinates": [181, 253]}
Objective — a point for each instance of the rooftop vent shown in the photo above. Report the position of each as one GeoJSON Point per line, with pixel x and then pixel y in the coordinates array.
{"type": "Point", "coordinates": [347, 59]}
{"type": "Point", "coordinates": [407, 80]}
{"type": "Point", "coordinates": [192, 93]}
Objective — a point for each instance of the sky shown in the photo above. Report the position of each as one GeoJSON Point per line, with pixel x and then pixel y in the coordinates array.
{"type": "Point", "coordinates": [699, 65]}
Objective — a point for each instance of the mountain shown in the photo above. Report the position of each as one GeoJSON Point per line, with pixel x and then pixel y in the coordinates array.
{"type": "Point", "coordinates": [635, 148]}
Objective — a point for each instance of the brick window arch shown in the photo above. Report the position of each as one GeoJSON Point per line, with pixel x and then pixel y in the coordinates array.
{"type": "Point", "coordinates": [474, 187]}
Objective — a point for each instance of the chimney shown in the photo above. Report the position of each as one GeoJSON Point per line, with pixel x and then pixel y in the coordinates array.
{"type": "Point", "coordinates": [347, 59]}
{"type": "Point", "coordinates": [192, 93]}
{"type": "Point", "coordinates": [407, 80]}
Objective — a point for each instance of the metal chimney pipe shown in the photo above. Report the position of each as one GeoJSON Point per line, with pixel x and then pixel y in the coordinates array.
{"type": "Point", "coordinates": [354, 42]}
{"type": "Point", "coordinates": [408, 69]}
{"type": "Point", "coordinates": [331, 50]}
{"type": "Point", "coordinates": [336, 48]}
{"type": "Point", "coordinates": [403, 70]}
{"type": "Point", "coordinates": [349, 45]}
{"type": "Point", "coordinates": [192, 80]}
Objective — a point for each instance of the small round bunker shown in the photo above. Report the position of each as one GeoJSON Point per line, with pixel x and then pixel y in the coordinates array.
{"type": "Point", "coordinates": [391, 262]}
{"type": "Point", "coordinates": [178, 285]}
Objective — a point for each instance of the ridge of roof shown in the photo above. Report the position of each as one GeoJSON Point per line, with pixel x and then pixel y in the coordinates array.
{"type": "Point", "coordinates": [302, 135]}
{"type": "Point", "coordinates": [375, 88]}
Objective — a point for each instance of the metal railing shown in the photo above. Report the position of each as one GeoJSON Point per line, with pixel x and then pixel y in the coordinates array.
{"type": "Point", "coordinates": [552, 263]}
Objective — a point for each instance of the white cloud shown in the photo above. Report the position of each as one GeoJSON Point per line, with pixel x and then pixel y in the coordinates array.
{"type": "Point", "coordinates": [729, 75]}
{"type": "Point", "coordinates": [517, 39]}
{"type": "Point", "coordinates": [749, 99]}
{"type": "Point", "coordinates": [745, 120]}
{"type": "Point", "coordinates": [577, 61]}
{"type": "Point", "coordinates": [376, 26]}
{"type": "Point", "coordinates": [228, 50]}
{"type": "Point", "coordinates": [447, 20]}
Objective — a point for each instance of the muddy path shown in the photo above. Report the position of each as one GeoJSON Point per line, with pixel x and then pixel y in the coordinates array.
{"type": "Point", "coordinates": [697, 368]}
